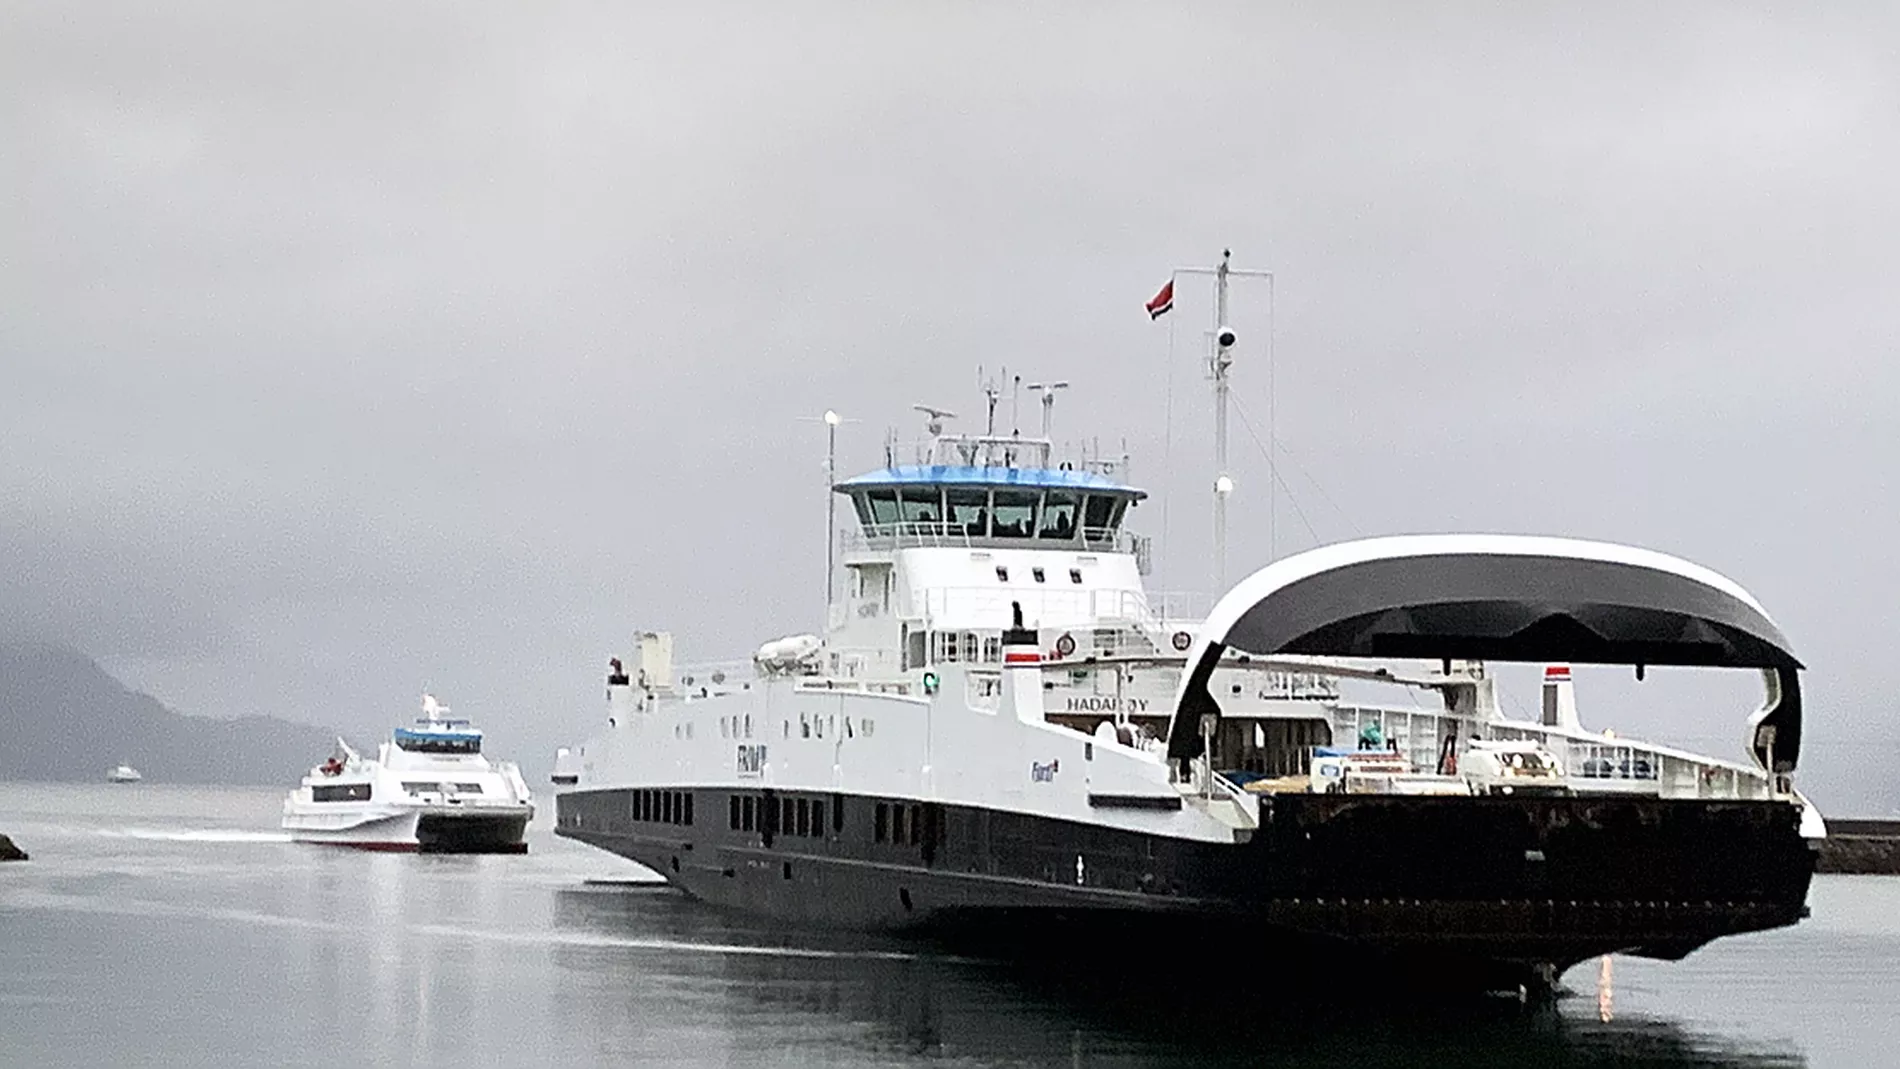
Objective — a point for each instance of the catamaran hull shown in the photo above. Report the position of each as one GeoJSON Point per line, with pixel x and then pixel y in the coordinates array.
{"type": "Point", "coordinates": [422, 831]}
{"type": "Point", "coordinates": [1484, 891]}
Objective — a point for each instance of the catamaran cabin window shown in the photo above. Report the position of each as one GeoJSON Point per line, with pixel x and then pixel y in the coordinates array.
{"type": "Point", "coordinates": [341, 792]}
{"type": "Point", "coordinates": [1015, 515]}
{"type": "Point", "coordinates": [968, 510]}
{"type": "Point", "coordinates": [440, 744]}
{"type": "Point", "coordinates": [1058, 515]}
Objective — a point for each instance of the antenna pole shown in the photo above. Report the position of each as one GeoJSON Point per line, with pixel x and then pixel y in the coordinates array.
{"type": "Point", "coordinates": [1222, 359]}
{"type": "Point", "coordinates": [831, 502]}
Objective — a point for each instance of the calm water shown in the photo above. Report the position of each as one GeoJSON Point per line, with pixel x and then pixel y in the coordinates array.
{"type": "Point", "coordinates": [174, 926]}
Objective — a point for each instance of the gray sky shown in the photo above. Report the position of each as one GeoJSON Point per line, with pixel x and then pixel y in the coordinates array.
{"type": "Point", "coordinates": [348, 348]}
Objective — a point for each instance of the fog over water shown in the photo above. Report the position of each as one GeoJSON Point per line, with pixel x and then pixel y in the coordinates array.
{"type": "Point", "coordinates": [354, 349]}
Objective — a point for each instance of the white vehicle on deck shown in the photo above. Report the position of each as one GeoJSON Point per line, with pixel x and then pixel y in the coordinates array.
{"type": "Point", "coordinates": [1493, 766]}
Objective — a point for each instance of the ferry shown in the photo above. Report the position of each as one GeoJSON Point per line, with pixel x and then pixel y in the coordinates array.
{"type": "Point", "coordinates": [123, 774]}
{"type": "Point", "coordinates": [1003, 738]}
{"type": "Point", "coordinates": [429, 789]}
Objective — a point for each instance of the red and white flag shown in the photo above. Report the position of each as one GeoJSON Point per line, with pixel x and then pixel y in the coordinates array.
{"type": "Point", "coordinates": [1163, 302]}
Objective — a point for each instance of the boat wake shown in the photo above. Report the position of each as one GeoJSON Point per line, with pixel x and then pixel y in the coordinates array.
{"type": "Point", "coordinates": [193, 835]}
{"type": "Point", "coordinates": [690, 946]}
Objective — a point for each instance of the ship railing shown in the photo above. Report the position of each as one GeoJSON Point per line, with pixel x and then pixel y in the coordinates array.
{"type": "Point", "coordinates": [937, 534]}
{"type": "Point", "coordinates": [707, 679]}
{"type": "Point", "coordinates": [1047, 605]}
{"type": "Point", "coordinates": [1593, 763]}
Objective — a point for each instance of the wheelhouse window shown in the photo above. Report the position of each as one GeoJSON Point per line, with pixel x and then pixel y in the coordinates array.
{"type": "Point", "coordinates": [883, 506]}
{"type": "Point", "coordinates": [1098, 513]}
{"type": "Point", "coordinates": [968, 510]}
{"type": "Point", "coordinates": [1015, 514]}
{"type": "Point", "coordinates": [1059, 508]}
{"type": "Point", "coordinates": [921, 505]}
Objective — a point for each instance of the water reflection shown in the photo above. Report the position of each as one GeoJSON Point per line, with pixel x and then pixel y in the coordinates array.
{"type": "Point", "coordinates": [844, 999]}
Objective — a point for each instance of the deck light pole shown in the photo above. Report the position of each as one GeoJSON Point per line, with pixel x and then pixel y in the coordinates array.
{"type": "Point", "coordinates": [831, 419]}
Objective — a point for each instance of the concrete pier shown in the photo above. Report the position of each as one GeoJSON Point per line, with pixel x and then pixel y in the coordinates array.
{"type": "Point", "coordinates": [1865, 847]}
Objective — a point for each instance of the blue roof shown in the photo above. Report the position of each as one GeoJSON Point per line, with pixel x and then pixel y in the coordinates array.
{"type": "Point", "coordinates": [961, 475]}
{"type": "Point", "coordinates": [442, 734]}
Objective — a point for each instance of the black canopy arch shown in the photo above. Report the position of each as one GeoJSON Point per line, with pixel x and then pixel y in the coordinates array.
{"type": "Point", "coordinates": [1498, 598]}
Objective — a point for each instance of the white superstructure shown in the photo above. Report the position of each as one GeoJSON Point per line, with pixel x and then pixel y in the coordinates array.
{"type": "Point", "coordinates": [429, 788]}
{"type": "Point", "coordinates": [123, 774]}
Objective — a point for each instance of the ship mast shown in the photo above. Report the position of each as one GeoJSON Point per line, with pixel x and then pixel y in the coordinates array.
{"type": "Point", "coordinates": [1220, 360]}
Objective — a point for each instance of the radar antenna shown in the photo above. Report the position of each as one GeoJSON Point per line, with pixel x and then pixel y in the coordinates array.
{"type": "Point", "coordinates": [934, 424]}
{"type": "Point", "coordinates": [1048, 392]}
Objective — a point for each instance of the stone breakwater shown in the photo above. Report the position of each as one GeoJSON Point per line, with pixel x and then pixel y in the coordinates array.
{"type": "Point", "coordinates": [1863, 847]}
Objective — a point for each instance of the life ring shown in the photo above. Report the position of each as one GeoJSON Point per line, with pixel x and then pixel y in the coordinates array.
{"type": "Point", "coordinates": [1182, 640]}
{"type": "Point", "coordinates": [1065, 645]}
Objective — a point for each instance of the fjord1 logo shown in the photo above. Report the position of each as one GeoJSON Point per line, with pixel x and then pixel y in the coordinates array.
{"type": "Point", "coordinates": [1044, 773]}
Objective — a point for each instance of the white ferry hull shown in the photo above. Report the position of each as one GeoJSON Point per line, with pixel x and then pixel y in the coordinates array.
{"type": "Point", "coordinates": [417, 829]}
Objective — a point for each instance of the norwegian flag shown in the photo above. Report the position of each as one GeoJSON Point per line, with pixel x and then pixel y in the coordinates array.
{"type": "Point", "coordinates": [1163, 302]}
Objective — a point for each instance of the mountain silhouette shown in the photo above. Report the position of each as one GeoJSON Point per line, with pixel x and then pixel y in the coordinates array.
{"type": "Point", "coordinates": [62, 717]}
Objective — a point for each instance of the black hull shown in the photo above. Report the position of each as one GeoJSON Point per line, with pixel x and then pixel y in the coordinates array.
{"type": "Point", "coordinates": [460, 834]}
{"type": "Point", "coordinates": [1481, 891]}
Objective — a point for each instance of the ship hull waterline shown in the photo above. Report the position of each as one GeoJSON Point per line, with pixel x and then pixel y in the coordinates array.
{"type": "Point", "coordinates": [428, 833]}
{"type": "Point", "coordinates": [1480, 893]}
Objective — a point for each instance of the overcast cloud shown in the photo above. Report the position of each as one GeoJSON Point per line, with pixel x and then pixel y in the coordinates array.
{"type": "Point", "coordinates": [349, 348]}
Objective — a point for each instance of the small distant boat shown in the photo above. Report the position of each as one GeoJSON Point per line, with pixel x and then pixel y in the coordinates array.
{"type": "Point", "coordinates": [123, 774]}
{"type": "Point", "coordinates": [429, 790]}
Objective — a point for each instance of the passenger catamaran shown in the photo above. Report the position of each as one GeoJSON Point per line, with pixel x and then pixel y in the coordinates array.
{"type": "Point", "coordinates": [429, 789]}
{"type": "Point", "coordinates": [1001, 734]}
